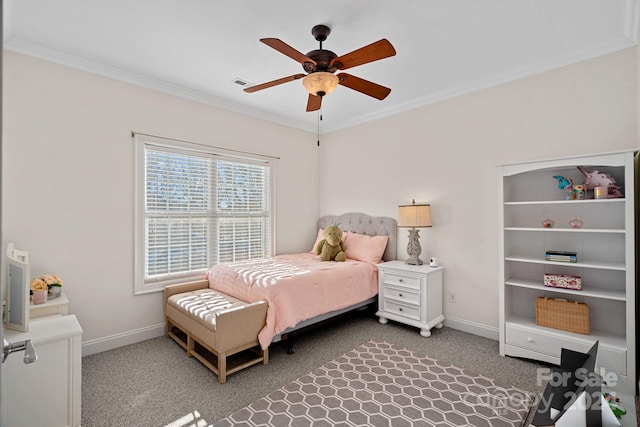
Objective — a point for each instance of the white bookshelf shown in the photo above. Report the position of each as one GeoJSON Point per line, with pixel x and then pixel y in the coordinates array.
{"type": "Point", "coordinates": [605, 247]}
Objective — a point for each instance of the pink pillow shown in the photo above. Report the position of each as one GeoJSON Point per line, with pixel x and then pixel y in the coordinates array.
{"type": "Point", "coordinates": [320, 236]}
{"type": "Point", "coordinates": [366, 248]}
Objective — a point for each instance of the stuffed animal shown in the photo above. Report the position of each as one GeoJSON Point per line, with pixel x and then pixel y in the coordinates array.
{"type": "Point", "coordinates": [331, 247]}
{"type": "Point", "coordinates": [567, 185]}
{"type": "Point", "coordinates": [563, 182]}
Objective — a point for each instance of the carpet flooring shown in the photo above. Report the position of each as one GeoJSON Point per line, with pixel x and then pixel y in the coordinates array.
{"type": "Point", "coordinates": [154, 384]}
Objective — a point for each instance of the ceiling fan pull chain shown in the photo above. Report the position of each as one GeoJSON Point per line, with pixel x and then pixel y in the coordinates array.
{"type": "Point", "coordinates": [319, 118]}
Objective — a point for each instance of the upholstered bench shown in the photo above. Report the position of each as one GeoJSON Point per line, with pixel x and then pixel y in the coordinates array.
{"type": "Point", "coordinates": [221, 324]}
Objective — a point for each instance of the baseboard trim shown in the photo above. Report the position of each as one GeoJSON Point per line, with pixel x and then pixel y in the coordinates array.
{"type": "Point", "coordinates": [119, 340]}
{"type": "Point", "coordinates": [137, 335]}
{"type": "Point", "coordinates": [472, 327]}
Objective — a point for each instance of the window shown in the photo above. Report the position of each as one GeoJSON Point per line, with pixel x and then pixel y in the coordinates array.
{"type": "Point", "coordinates": [197, 206]}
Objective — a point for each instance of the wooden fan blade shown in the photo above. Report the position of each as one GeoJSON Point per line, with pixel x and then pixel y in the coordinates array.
{"type": "Point", "coordinates": [256, 88]}
{"type": "Point", "coordinates": [285, 49]}
{"type": "Point", "coordinates": [314, 103]}
{"type": "Point", "coordinates": [364, 86]}
{"type": "Point", "coordinates": [373, 52]}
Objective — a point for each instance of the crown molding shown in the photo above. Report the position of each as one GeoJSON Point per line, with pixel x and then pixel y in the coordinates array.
{"type": "Point", "coordinates": [559, 62]}
{"type": "Point", "coordinates": [627, 40]}
{"type": "Point", "coordinates": [81, 63]}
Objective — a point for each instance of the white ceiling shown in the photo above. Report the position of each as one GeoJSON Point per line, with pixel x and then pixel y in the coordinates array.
{"type": "Point", "coordinates": [197, 48]}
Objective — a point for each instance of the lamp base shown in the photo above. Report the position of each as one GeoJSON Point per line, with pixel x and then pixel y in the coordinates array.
{"type": "Point", "coordinates": [413, 248]}
{"type": "Point", "coordinates": [414, 261]}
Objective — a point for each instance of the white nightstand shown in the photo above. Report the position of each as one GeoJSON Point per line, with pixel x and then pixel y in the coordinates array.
{"type": "Point", "coordinates": [410, 294]}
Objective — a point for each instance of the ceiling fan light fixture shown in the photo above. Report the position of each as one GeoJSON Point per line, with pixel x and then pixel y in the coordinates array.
{"type": "Point", "coordinates": [320, 83]}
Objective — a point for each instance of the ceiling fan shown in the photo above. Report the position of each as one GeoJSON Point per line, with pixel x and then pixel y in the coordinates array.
{"type": "Point", "coordinates": [321, 64]}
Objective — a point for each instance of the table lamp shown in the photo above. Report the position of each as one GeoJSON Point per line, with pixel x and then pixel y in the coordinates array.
{"type": "Point", "coordinates": [413, 216]}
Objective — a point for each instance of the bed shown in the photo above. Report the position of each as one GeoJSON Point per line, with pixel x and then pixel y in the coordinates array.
{"type": "Point", "coordinates": [300, 289]}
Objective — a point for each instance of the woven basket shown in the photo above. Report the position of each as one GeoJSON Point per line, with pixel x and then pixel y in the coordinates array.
{"type": "Point", "coordinates": [569, 316]}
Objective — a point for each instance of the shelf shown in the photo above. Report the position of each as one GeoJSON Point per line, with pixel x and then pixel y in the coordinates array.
{"type": "Point", "coordinates": [610, 339]}
{"type": "Point", "coordinates": [565, 202]}
{"type": "Point", "coordinates": [53, 306]}
{"type": "Point", "coordinates": [619, 266]}
{"type": "Point", "coordinates": [585, 292]}
{"type": "Point", "coordinates": [567, 230]}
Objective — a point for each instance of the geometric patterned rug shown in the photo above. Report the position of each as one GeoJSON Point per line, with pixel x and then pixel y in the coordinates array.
{"type": "Point", "coordinates": [381, 384]}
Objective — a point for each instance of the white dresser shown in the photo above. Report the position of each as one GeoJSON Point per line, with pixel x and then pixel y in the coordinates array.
{"type": "Point", "coordinates": [410, 294]}
{"type": "Point", "coordinates": [46, 392]}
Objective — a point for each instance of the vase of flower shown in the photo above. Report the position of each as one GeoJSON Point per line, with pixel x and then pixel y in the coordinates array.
{"type": "Point", "coordinates": [40, 296]}
{"type": "Point", "coordinates": [54, 292]}
{"type": "Point", "coordinates": [39, 290]}
{"type": "Point", "coordinates": [50, 282]}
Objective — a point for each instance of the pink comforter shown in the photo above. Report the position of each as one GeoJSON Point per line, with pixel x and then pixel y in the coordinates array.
{"type": "Point", "coordinates": [296, 286]}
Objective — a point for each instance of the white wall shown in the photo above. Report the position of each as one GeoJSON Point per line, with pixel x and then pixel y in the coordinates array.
{"type": "Point", "coordinates": [67, 184]}
{"type": "Point", "coordinates": [446, 153]}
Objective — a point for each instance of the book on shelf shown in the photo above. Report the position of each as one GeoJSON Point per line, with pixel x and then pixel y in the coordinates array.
{"type": "Point", "coordinates": [561, 259]}
{"type": "Point", "coordinates": [561, 256]}
{"type": "Point", "coordinates": [562, 253]}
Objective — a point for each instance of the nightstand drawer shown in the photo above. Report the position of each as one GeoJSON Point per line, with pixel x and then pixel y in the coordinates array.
{"type": "Point", "coordinates": [402, 310]}
{"type": "Point", "coordinates": [401, 280]}
{"type": "Point", "coordinates": [401, 295]}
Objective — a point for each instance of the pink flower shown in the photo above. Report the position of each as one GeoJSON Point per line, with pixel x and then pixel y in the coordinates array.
{"type": "Point", "coordinates": [38, 284]}
{"type": "Point", "coordinates": [51, 279]}
{"type": "Point", "coordinates": [45, 281]}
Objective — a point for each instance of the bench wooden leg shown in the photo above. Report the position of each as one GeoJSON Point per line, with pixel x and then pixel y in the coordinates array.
{"type": "Point", "coordinates": [265, 356]}
{"type": "Point", "coordinates": [222, 368]}
{"type": "Point", "coordinates": [170, 333]}
{"type": "Point", "coordinates": [190, 345]}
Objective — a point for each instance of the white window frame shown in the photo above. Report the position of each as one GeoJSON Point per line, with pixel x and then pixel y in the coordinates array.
{"type": "Point", "coordinates": [141, 142]}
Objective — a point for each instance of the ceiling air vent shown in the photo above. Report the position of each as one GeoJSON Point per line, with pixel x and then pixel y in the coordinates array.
{"type": "Point", "coordinates": [241, 82]}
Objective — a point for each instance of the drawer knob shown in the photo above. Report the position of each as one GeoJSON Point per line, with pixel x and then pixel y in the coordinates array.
{"type": "Point", "coordinates": [400, 309]}
{"type": "Point", "coordinates": [401, 280]}
{"type": "Point", "coordinates": [529, 339]}
{"type": "Point", "coordinates": [400, 294]}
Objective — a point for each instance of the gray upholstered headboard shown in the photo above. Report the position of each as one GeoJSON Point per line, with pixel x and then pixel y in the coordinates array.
{"type": "Point", "coordinates": [366, 224]}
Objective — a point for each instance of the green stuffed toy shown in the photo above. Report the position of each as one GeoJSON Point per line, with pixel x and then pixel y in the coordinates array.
{"type": "Point", "coordinates": [331, 247]}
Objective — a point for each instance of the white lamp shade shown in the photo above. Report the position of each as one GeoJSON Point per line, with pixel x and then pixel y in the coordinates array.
{"type": "Point", "coordinates": [320, 82]}
{"type": "Point", "coordinates": [414, 215]}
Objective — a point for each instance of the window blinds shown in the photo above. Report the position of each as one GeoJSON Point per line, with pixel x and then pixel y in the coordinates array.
{"type": "Point", "coordinates": [201, 210]}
